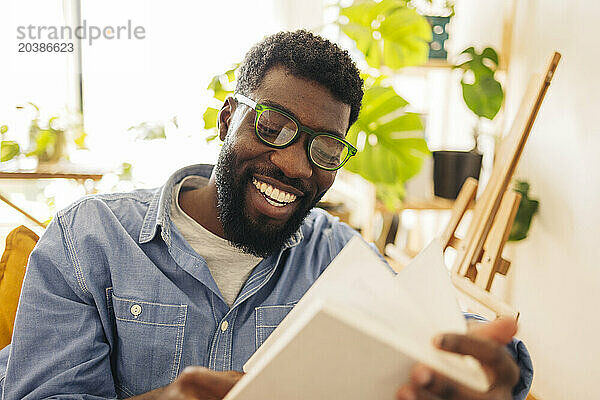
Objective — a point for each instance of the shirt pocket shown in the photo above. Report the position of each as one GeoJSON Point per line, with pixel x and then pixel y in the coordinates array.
{"type": "Point", "coordinates": [148, 344]}
{"type": "Point", "coordinates": [267, 318]}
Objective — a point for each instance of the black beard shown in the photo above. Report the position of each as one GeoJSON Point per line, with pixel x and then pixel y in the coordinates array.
{"type": "Point", "coordinates": [257, 237]}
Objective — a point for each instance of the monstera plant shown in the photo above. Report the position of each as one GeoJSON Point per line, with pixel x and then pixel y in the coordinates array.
{"type": "Point", "coordinates": [482, 92]}
{"type": "Point", "coordinates": [390, 35]}
{"type": "Point", "coordinates": [391, 145]}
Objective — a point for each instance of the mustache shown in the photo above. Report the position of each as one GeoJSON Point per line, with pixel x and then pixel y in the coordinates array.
{"type": "Point", "coordinates": [277, 174]}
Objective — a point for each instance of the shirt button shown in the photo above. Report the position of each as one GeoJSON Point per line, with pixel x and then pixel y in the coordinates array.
{"type": "Point", "coordinates": [135, 310]}
{"type": "Point", "coordinates": [224, 326]}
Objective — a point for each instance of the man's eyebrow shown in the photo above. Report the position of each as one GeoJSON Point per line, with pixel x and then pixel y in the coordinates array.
{"type": "Point", "coordinates": [274, 104]}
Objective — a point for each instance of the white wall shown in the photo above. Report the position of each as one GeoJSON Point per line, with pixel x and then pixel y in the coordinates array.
{"type": "Point", "coordinates": [554, 280]}
{"type": "Point", "coordinates": [555, 277]}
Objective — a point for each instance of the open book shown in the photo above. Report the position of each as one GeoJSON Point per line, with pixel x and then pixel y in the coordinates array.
{"type": "Point", "coordinates": [358, 331]}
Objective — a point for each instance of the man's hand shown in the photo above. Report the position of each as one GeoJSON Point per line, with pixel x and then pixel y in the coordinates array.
{"type": "Point", "coordinates": [195, 383]}
{"type": "Point", "coordinates": [486, 343]}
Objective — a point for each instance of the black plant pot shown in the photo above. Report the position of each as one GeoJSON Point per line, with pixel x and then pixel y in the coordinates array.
{"type": "Point", "coordinates": [451, 169]}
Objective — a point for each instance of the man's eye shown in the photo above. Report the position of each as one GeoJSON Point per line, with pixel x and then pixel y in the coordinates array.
{"type": "Point", "coordinates": [270, 131]}
{"type": "Point", "coordinates": [267, 130]}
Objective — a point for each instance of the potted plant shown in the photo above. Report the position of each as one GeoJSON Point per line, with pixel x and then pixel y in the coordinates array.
{"type": "Point", "coordinates": [483, 95]}
{"type": "Point", "coordinates": [528, 207]}
{"type": "Point", "coordinates": [48, 140]}
{"type": "Point", "coordinates": [8, 148]}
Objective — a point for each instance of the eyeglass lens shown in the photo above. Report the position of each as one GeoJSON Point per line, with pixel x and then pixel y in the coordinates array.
{"type": "Point", "coordinates": [327, 152]}
{"type": "Point", "coordinates": [276, 128]}
{"type": "Point", "coordinates": [279, 130]}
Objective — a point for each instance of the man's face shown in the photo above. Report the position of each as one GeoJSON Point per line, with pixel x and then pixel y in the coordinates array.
{"type": "Point", "coordinates": [263, 193]}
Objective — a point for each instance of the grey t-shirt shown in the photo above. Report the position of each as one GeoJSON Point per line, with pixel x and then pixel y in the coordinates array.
{"type": "Point", "coordinates": [230, 267]}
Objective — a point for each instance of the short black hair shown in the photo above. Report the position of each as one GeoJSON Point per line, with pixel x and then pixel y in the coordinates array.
{"type": "Point", "coordinates": [306, 55]}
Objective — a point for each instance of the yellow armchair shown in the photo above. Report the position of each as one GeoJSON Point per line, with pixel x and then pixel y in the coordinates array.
{"type": "Point", "coordinates": [19, 244]}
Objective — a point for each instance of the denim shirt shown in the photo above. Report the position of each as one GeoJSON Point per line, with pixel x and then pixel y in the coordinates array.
{"type": "Point", "coordinates": [115, 303]}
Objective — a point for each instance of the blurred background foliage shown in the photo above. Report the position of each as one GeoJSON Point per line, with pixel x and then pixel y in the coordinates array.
{"type": "Point", "coordinates": [528, 207]}
{"type": "Point", "coordinates": [48, 139]}
{"type": "Point", "coordinates": [390, 33]}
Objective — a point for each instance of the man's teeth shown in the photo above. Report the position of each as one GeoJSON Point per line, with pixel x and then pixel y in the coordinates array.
{"type": "Point", "coordinates": [273, 194]}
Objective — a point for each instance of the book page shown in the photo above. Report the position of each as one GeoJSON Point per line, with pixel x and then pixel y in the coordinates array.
{"type": "Point", "coordinates": [427, 280]}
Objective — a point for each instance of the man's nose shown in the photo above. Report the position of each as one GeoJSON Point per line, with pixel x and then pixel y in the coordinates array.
{"type": "Point", "coordinates": [293, 160]}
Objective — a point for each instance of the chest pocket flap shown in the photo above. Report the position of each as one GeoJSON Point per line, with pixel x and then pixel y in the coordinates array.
{"type": "Point", "coordinates": [149, 335]}
{"type": "Point", "coordinates": [268, 318]}
{"type": "Point", "coordinates": [144, 312]}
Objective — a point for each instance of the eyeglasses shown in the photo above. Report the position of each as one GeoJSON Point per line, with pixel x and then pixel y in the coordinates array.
{"type": "Point", "coordinates": [278, 129]}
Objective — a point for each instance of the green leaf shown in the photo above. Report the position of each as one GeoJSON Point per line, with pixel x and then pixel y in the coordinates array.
{"type": "Point", "coordinates": [387, 32]}
{"type": "Point", "coordinates": [490, 54]}
{"type": "Point", "coordinates": [80, 140]}
{"type": "Point", "coordinates": [214, 82]}
{"type": "Point", "coordinates": [379, 101]}
{"type": "Point", "coordinates": [210, 138]}
{"type": "Point", "coordinates": [484, 97]}
{"type": "Point", "coordinates": [149, 130]}
{"type": "Point", "coordinates": [231, 74]}
{"type": "Point", "coordinates": [210, 118]}
{"type": "Point", "coordinates": [391, 195]}
{"type": "Point", "coordinates": [3, 129]}
{"type": "Point", "coordinates": [477, 64]}
{"type": "Point", "coordinates": [126, 171]}
{"type": "Point", "coordinates": [8, 150]}
{"type": "Point", "coordinates": [37, 109]}
{"type": "Point", "coordinates": [216, 85]}
{"type": "Point", "coordinates": [51, 122]}
{"type": "Point", "coordinates": [44, 144]}
{"type": "Point", "coordinates": [527, 209]}
{"type": "Point", "coordinates": [468, 50]}
{"type": "Point", "coordinates": [396, 149]}
{"type": "Point", "coordinates": [409, 122]}
{"type": "Point", "coordinates": [220, 93]}
{"type": "Point", "coordinates": [46, 138]}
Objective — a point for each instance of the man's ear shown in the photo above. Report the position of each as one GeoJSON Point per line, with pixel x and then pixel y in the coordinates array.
{"type": "Point", "coordinates": [224, 117]}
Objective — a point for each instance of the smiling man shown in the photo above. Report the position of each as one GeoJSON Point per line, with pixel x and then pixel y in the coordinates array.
{"type": "Point", "coordinates": [273, 170]}
{"type": "Point", "coordinates": [124, 291]}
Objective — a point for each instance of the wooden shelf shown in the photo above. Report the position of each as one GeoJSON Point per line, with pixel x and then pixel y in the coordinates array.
{"type": "Point", "coordinates": [49, 175]}
{"type": "Point", "coordinates": [54, 171]}
{"type": "Point", "coordinates": [437, 63]}
{"type": "Point", "coordinates": [436, 203]}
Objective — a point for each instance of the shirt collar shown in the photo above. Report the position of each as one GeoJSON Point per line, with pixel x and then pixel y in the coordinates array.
{"type": "Point", "coordinates": [158, 213]}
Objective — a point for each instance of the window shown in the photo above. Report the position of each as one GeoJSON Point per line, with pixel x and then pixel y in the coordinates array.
{"type": "Point", "coordinates": [165, 75]}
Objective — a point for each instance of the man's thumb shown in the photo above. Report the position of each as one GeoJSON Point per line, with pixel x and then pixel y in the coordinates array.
{"type": "Point", "coordinates": [501, 330]}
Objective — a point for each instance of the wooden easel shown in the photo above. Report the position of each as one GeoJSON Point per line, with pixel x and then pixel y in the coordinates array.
{"type": "Point", "coordinates": [479, 253]}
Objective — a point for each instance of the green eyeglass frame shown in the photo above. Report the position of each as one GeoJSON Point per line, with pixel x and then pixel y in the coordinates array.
{"type": "Point", "coordinates": [261, 108]}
